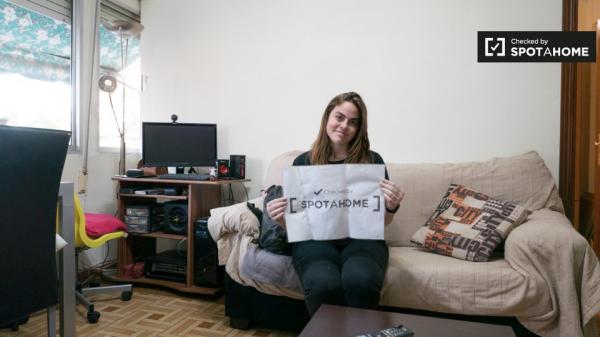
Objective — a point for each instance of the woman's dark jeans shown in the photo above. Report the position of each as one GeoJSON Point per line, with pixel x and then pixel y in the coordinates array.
{"type": "Point", "coordinates": [343, 272]}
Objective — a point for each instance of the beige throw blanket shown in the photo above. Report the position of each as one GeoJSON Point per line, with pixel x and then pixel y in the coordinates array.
{"type": "Point", "coordinates": [235, 229]}
{"type": "Point", "coordinates": [573, 275]}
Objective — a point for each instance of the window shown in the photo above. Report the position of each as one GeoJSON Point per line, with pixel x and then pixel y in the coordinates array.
{"type": "Point", "coordinates": [35, 69]}
{"type": "Point", "coordinates": [112, 48]}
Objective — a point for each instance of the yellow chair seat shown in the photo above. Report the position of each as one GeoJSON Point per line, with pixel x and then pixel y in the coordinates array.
{"type": "Point", "coordinates": [82, 240]}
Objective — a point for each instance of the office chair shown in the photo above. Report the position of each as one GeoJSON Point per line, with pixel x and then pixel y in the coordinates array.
{"type": "Point", "coordinates": [83, 242]}
{"type": "Point", "coordinates": [31, 166]}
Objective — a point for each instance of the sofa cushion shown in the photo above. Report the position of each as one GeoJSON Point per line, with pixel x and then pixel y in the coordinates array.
{"type": "Point", "coordinates": [416, 278]}
{"type": "Point", "coordinates": [523, 179]}
{"type": "Point", "coordinates": [468, 225]}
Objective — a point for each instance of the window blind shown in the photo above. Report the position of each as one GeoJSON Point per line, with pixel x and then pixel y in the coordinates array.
{"type": "Point", "coordinates": [56, 9]}
{"type": "Point", "coordinates": [61, 9]}
{"type": "Point", "coordinates": [110, 10]}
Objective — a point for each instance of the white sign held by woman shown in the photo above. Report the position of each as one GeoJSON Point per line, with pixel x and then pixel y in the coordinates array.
{"type": "Point", "coordinates": [328, 202]}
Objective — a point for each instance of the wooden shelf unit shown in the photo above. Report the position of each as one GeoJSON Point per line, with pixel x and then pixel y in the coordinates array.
{"type": "Point", "coordinates": [202, 196]}
{"type": "Point", "coordinates": [156, 196]}
{"type": "Point", "coordinates": [161, 235]}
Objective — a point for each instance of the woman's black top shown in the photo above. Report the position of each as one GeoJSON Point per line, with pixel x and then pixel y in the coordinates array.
{"type": "Point", "coordinates": [304, 159]}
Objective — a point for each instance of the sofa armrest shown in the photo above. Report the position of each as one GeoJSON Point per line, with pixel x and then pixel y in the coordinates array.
{"type": "Point", "coordinates": [547, 248]}
{"type": "Point", "coordinates": [233, 219]}
{"type": "Point", "coordinates": [227, 225]}
{"type": "Point", "coordinates": [544, 233]}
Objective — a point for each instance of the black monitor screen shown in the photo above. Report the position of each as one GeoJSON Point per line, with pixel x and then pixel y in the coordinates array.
{"type": "Point", "coordinates": [179, 144]}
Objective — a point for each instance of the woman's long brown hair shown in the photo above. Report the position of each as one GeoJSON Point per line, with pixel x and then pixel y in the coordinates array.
{"type": "Point", "coordinates": [358, 148]}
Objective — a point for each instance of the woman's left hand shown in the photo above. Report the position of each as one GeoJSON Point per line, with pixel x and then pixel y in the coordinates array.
{"type": "Point", "coordinates": [391, 193]}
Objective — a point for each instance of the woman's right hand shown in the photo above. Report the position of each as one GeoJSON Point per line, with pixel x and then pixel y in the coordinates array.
{"type": "Point", "coordinates": [276, 210]}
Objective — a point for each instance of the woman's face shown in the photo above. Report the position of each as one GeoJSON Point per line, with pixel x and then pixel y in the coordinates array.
{"type": "Point", "coordinates": [342, 124]}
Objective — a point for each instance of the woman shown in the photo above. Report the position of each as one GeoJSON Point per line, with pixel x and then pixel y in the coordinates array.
{"type": "Point", "coordinates": [347, 271]}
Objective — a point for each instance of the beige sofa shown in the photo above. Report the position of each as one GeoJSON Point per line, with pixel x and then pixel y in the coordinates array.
{"type": "Point", "coordinates": [548, 277]}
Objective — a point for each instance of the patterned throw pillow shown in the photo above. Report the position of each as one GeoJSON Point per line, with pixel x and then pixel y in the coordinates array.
{"type": "Point", "coordinates": [468, 225]}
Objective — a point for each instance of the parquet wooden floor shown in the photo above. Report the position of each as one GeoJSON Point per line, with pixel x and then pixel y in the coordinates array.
{"type": "Point", "coordinates": [150, 313]}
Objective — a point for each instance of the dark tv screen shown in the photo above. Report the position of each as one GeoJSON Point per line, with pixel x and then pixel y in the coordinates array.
{"type": "Point", "coordinates": [179, 144]}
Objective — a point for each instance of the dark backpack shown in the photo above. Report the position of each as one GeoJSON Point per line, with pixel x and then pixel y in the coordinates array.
{"type": "Point", "coordinates": [272, 236]}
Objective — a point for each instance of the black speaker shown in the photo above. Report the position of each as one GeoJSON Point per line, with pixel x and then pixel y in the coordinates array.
{"type": "Point", "coordinates": [176, 217]}
{"type": "Point", "coordinates": [237, 166]}
{"type": "Point", "coordinates": [207, 272]}
{"type": "Point", "coordinates": [222, 166]}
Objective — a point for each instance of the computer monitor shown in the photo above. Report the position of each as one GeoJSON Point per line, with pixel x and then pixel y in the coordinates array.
{"type": "Point", "coordinates": [179, 144]}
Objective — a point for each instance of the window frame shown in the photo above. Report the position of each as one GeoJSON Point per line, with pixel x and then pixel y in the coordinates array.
{"type": "Point", "coordinates": [76, 73]}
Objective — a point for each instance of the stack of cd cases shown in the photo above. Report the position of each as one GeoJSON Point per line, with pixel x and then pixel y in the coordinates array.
{"type": "Point", "coordinates": [144, 218]}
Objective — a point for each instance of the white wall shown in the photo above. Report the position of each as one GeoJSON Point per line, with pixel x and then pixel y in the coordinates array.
{"type": "Point", "coordinates": [263, 70]}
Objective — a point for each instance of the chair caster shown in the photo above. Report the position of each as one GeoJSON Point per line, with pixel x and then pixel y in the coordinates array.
{"type": "Point", "coordinates": [126, 295]}
{"type": "Point", "coordinates": [93, 317]}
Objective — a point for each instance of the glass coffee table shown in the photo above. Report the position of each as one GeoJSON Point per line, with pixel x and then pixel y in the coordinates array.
{"type": "Point", "coordinates": [337, 321]}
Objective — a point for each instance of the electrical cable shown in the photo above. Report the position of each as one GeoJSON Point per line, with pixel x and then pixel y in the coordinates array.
{"type": "Point", "coordinates": [246, 190]}
{"type": "Point", "coordinates": [106, 262]}
{"type": "Point", "coordinates": [181, 251]}
{"type": "Point", "coordinates": [100, 265]}
{"type": "Point", "coordinates": [231, 197]}
{"type": "Point", "coordinates": [112, 107]}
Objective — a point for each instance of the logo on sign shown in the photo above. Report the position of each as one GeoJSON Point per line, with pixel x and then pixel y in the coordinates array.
{"type": "Point", "coordinates": [495, 46]}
